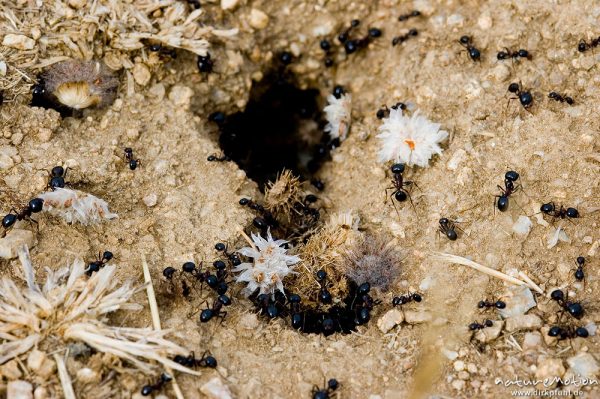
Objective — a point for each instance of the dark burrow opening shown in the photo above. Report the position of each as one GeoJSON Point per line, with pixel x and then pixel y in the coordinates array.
{"type": "Point", "coordinates": [281, 128]}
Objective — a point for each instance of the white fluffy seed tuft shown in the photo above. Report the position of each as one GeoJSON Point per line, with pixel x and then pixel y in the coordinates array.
{"type": "Point", "coordinates": [412, 140]}
{"type": "Point", "coordinates": [270, 265]}
{"type": "Point", "coordinates": [339, 116]}
{"type": "Point", "coordinates": [76, 206]}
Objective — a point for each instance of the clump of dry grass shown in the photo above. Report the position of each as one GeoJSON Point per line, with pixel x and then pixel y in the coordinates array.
{"type": "Point", "coordinates": [324, 250]}
{"type": "Point", "coordinates": [282, 195]}
{"type": "Point", "coordinates": [71, 307]}
{"type": "Point", "coordinates": [116, 31]}
{"type": "Point", "coordinates": [371, 259]}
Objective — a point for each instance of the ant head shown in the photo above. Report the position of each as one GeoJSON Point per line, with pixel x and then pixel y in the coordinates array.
{"type": "Point", "coordinates": [511, 175]}
{"type": "Point", "coordinates": [168, 272]}
{"type": "Point", "coordinates": [107, 255]}
{"type": "Point", "coordinates": [444, 221]}
{"type": "Point", "coordinates": [338, 91]}
{"type": "Point", "coordinates": [582, 332]}
{"type": "Point", "coordinates": [220, 246]}
{"type": "Point", "coordinates": [398, 168]}
{"type": "Point", "coordinates": [294, 298]}
{"type": "Point", "coordinates": [513, 87]}
{"type": "Point", "coordinates": [580, 260]}
{"type": "Point", "coordinates": [188, 267]}
{"type": "Point", "coordinates": [332, 384]}
{"type": "Point", "coordinates": [557, 295]}
{"type": "Point", "coordinates": [572, 213]}
{"type": "Point", "coordinates": [416, 297]}
{"type": "Point", "coordinates": [488, 323]}
{"type": "Point", "coordinates": [35, 205]}
{"type": "Point", "coordinates": [219, 265]}
{"type": "Point", "coordinates": [364, 288]}
{"type": "Point", "coordinates": [321, 275]}
{"type": "Point", "coordinates": [57, 171]}
{"type": "Point", "coordinates": [547, 208]}
{"type": "Point", "coordinates": [502, 55]}
{"type": "Point", "coordinates": [465, 39]}
{"type": "Point", "coordinates": [582, 46]}
{"type": "Point", "coordinates": [523, 53]}
{"type": "Point", "coordinates": [554, 331]}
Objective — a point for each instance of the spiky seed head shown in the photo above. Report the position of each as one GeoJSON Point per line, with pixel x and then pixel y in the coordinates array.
{"type": "Point", "coordinates": [281, 195]}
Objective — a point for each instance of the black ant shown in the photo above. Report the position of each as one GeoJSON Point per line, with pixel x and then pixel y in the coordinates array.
{"type": "Point", "coordinates": [363, 304]}
{"type": "Point", "coordinates": [384, 112]}
{"type": "Point", "coordinates": [149, 389]}
{"type": "Point", "coordinates": [402, 38]}
{"type": "Point", "coordinates": [133, 163]}
{"type": "Point", "coordinates": [191, 361]}
{"type": "Point", "coordinates": [562, 213]}
{"type": "Point", "coordinates": [561, 98]}
{"type": "Point", "coordinates": [569, 332]}
{"type": "Point", "coordinates": [584, 46]}
{"type": "Point", "coordinates": [487, 304]}
{"type": "Point", "coordinates": [272, 308]}
{"type": "Point", "coordinates": [448, 227]}
{"type": "Point", "coordinates": [100, 262]}
{"type": "Point", "coordinates": [324, 294]}
{"type": "Point", "coordinates": [266, 219]}
{"type": "Point", "coordinates": [344, 36]}
{"type": "Point", "coordinates": [400, 194]}
{"type": "Point", "coordinates": [215, 311]}
{"type": "Point", "coordinates": [318, 393]}
{"type": "Point", "coordinates": [205, 64]}
{"type": "Point", "coordinates": [34, 206]}
{"type": "Point", "coordinates": [412, 14]}
{"type": "Point", "coordinates": [295, 311]}
{"type": "Point", "coordinates": [524, 97]}
{"type": "Point", "coordinates": [478, 326]}
{"type": "Point", "coordinates": [406, 298]}
{"type": "Point", "coordinates": [467, 42]}
{"type": "Point", "coordinates": [579, 275]}
{"type": "Point", "coordinates": [57, 177]}
{"type": "Point", "coordinates": [510, 179]}
{"type": "Point", "coordinates": [318, 184]}
{"type": "Point", "coordinates": [214, 158]}
{"type": "Point", "coordinates": [573, 308]}
{"type": "Point", "coordinates": [503, 55]}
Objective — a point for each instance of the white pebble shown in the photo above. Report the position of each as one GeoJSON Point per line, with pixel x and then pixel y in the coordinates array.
{"type": "Point", "coordinates": [229, 4]}
{"type": "Point", "coordinates": [584, 364]}
{"type": "Point", "coordinates": [13, 240]}
{"type": "Point", "coordinates": [258, 19]}
{"type": "Point", "coordinates": [215, 389]}
{"type": "Point", "coordinates": [150, 200]}
{"type": "Point", "coordinates": [485, 21]}
{"type": "Point", "coordinates": [459, 365]}
{"type": "Point", "coordinates": [19, 389]}
{"type": "Point", "coordinates": [390, 320]}
{"type": "Point", "coordinates": [457, 158]}
{"type": "Point", "coordinates": [522, 226]}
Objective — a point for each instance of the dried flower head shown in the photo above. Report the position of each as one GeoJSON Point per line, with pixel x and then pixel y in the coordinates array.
{"type": "Point", "coordinates": [271, 264]}
{"type": "Point", "coordinates": [71, 307]}
{"type": "Point", "coordinates": [373, 260]}
{"type": "Point", "coordinates": [339, 116]}
{"type": "Point", "coordinates": [284, 193]}
{"type": "Point", "coordinates": [323, 251]}
{"type": "Point", "coordinates": [76, 206]}
{"type": "Point", "coordinates": [81, 84]}
{"type": "Point", "coordinates": [412, 140]}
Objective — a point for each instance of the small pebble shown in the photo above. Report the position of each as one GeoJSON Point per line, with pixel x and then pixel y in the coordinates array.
{"type": "Point", "coordinates": [584, 364]}
{"type": "Point", "coordinates": [19, 390]}
{"type": "Point", "coordinates": [215, 389]}
{"type": "Point", "coordinates": [13, 240]}
{"type": "Point", "coordinates": [141, 74]}
{"type": "Point", "coordinates": [389, 320]}
{"type": "Point", "coordinates": [523, 322]}
{"type": "Point", "coordinates": [258, 19]}
{"type": "Point", "coordinates": [549, 368]}
{"type": "Point", "coordinates": [518, 301]}
{"type": "Point", "coordinates": [459, 365]}
{"type": "Point", "coordinates": [229, 4]}
{"type": "Point", "coordinates": [150, 200]}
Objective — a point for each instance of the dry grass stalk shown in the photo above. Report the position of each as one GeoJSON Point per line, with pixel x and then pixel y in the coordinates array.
{"type": "Point", "coordinates": [459, 260]}
{"type": "Point", "coordinates": [72, 307]}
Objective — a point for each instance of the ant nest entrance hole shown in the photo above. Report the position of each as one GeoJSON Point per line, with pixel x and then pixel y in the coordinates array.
{"type": "Point", "coordinates": [281, 128]}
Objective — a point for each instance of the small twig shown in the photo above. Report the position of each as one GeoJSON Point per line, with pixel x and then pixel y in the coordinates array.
{"type": "Point", "coordinates": [63, 376]}
{"type": "Point", "coordinates": [484, 269]}
{"type": "Point", "coordinates": [156, 318]}
{"type": "Point", "coordinates": [245, 236]}
{"type": "Point", "coordinates": [531, 283]}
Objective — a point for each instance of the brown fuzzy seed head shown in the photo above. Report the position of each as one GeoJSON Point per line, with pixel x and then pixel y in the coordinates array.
{"type": "Point", "coordinates": [81, 84]}
{"type": "Point", "coordinates": [372, 259]}
{"type": "Point", "coordinates": [281, 195]}
{"type": "Point", "coordinates": [323, 251]}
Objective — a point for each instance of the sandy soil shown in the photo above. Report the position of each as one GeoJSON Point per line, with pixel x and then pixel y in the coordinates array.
{"type": "Point", "coordinates": [554, 148]}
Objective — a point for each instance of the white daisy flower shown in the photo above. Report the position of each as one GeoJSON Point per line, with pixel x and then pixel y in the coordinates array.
{"type": "Point", "coordinates": [271, 265]}
{"type": "Point", "coordinates": [339, 116]}
{"type": "Point", "coordinates": [409, 139]}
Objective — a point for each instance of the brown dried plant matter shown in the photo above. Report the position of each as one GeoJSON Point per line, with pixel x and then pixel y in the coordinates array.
{"type": "Point", "coordinates": [324, 250]}
{"type": "Point", "coordinates": [283, 194]}
{"type": "Point", "coordinates": [81, 84]}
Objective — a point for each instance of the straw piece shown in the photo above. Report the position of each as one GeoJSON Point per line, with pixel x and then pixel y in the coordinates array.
{"type": "Point", "coordinates": [156, 319]}
{"type": "Point", "coordinates": [65, 379]}
{"type": "Point", "coordinates": [484, 269]}
{"type": "Point", "coordinates": [531, 283]}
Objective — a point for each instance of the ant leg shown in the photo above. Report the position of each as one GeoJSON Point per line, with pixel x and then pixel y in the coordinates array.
{"type": "Point", "coordinates": [392, 199]}
{"type": "Point", "coordinates": [222, 315]}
